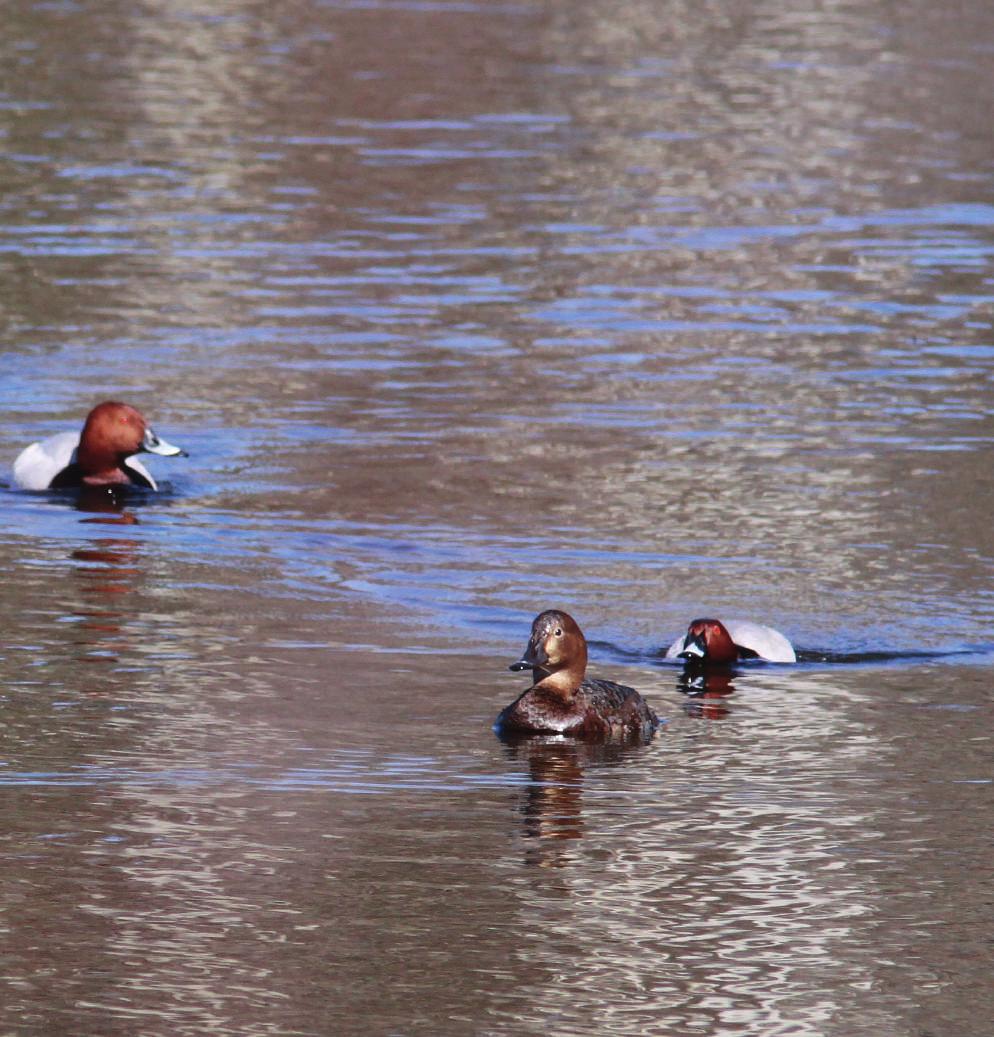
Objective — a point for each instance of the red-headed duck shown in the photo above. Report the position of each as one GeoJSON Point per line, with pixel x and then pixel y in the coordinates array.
{"type": "Point", "coordinates": [711, 641]}
{"type": "Point", "coordinates": [562, 700]}
{"type": "Point", "coordinates": [101, 455]}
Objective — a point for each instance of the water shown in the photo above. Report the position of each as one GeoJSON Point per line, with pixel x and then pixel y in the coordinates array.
{"type": "Point", "coordinates": [464, 311]}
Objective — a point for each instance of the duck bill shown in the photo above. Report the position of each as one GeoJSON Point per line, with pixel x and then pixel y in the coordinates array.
{"type": "Point", "coordinates": [694, 648]}
{"type": "Point", "coordinates": [534, 658]}
{"type": "Point", "coordinates": [152, 444]}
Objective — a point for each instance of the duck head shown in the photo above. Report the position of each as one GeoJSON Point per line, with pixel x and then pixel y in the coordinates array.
{"type": "Point", "coordinates": [112, 433]}
{"type": "Point", "coordinates": [707, 640]}
{"type": "Point", "coordinates": [556, 652]}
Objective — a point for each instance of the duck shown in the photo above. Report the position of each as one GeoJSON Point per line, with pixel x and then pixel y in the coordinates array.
{"type": "Point", "coordinates": [712, 641]}
{"type": "Point", "coordinates": [562, 700]}
{"type": "Point", "coordinates": [102, 454]}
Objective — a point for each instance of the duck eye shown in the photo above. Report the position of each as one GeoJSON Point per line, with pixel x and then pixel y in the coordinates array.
{"type": "Point", "coordinates": [558, 632]}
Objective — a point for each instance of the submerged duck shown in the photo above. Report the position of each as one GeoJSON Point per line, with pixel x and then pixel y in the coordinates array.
{"type": "Point", "coordinates": [101, 455]}
{"type": "Point", "coordinates": [561, 700]}
{"type": "Point", "coordinates": [711, 641]}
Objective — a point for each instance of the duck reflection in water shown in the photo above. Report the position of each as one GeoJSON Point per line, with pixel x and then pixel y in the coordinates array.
{"type": "Point", "coordinates": [707, 689]}
{"type": "Point", "coordinates": [106, 504]}
{"type": "Point", "coordinates": [107, 571]}
{"type": "Point", "coordinates": [552, 803]}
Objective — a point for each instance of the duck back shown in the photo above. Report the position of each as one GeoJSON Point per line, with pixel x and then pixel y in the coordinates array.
{"type": "Point", "coordinates": [598, 709]}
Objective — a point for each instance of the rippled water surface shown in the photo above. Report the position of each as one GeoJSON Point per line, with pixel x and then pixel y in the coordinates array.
{"type": "Point", "coordinates": [465, 310]}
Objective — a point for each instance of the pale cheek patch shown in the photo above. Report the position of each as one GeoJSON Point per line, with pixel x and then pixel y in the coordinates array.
{"type": "Point", "coordinates": [561, 680]}
{"type": "Point", "coordinates": [549, 647]}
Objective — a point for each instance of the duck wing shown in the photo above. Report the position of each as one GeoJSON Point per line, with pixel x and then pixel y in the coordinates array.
{"type": "Point", "coordinates": [617, 702]}
{"type": "Point", "coordinates": [37, 465]}
{"type": "Point", "coordinates": [767, 643]}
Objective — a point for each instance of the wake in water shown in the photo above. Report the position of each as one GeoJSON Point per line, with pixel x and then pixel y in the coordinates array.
{"type": "Point", "coordinates": [806, 657]}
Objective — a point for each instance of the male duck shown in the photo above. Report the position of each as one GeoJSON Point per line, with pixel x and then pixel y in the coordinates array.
{"type": "Point", "coordinates": [711, 641]}
{"type": "Point", "coordinates": [101, 455]}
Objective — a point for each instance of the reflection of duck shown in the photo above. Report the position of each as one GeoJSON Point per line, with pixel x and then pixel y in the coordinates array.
{"type": "Point", "coordinates": [707, 692]}
{"type": "Point", "coordinates": [101, 455]}
{"type": "Point", "coordinates": [561, 700]}
{"type": "Point", "coordinates": [108, 572]}
{"type": "Point", "coordinates": [711, 641]}
{"type": "Point", "coordinates": [553, 796]}
{"type": "Point", "coordinates": [552, 807]}
{"type": "Point", "coordinates": [106, 504]}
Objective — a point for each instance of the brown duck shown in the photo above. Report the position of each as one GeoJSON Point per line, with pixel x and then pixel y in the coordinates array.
{"type": "Point", "coordinates": [562, 700]}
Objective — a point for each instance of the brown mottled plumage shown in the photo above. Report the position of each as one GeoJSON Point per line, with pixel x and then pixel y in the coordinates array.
{"type": "Point", "coordinates": [562, 700]}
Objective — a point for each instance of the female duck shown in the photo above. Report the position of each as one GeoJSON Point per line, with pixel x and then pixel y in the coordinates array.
{"type": "Point", "coordinates": [711, 641]}
{"type": "Point", "coordinates": [561, 700]}
{"type": "Point", "coordinates": [101, 455]}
